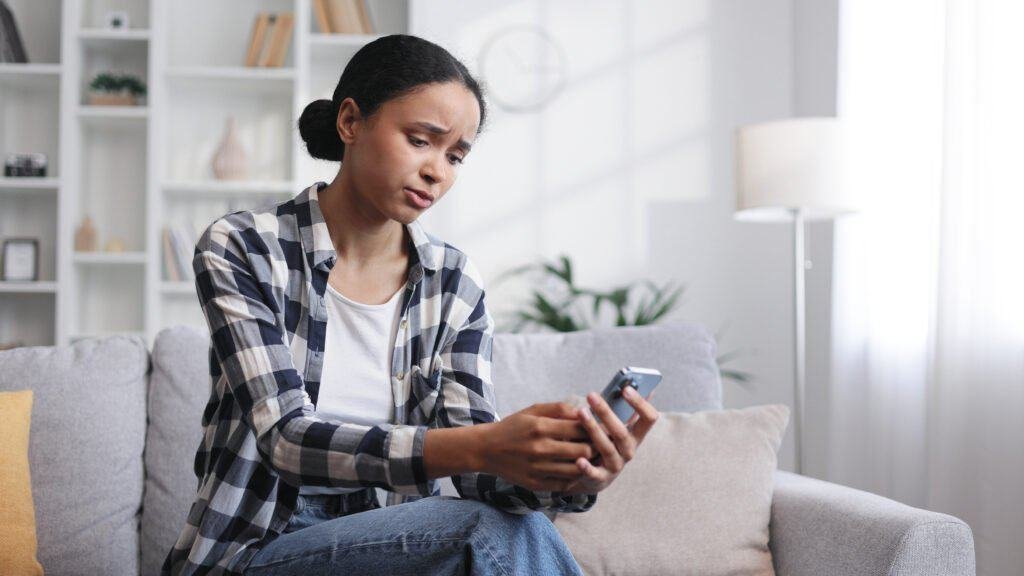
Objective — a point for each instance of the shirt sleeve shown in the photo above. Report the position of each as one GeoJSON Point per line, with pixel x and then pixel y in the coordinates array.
{"type": "Point", "coordinates": [250, 344]}
{"type": "Point", "coordinates": [467, 398]}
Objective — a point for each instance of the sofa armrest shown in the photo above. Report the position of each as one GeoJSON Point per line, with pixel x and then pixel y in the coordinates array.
{"type": "Point", "coordinates": [819, 527]}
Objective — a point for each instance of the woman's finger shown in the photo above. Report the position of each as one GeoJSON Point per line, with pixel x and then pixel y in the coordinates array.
{"type": "Point", "coordinates": [632, 420]}
{"type": "Point", "coordinates": [567, 451]}
{"type": "Point", "coordinates": [647, 413]}
{"type": "Point", "coordinates": [617, 431]}
{"type": "Point", "coordinates": [605, 446]}
{"type": "Point", "coordinates": [566, 429]}
{"type": "Point", "coordinates": [636, 415]}
{"type": "Point", "coordinates": [562, 470]}
{"type": "Point", "coordinates": [596, 474]}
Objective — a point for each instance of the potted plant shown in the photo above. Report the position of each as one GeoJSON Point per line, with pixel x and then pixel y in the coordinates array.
{"type": "Point", "coordinates": [112, 89]}
{"type": "Point", "coordinates": [562, 307]}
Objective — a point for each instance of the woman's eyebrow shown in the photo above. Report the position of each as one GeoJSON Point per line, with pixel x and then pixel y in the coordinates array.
{"type": "Point", "coordinates": [434, 129]}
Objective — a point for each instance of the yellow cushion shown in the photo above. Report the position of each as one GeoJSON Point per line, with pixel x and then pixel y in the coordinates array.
{"type": "Point", "coordinates": [17, 512]}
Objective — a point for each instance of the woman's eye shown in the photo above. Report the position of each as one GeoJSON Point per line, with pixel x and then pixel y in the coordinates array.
{"type": "Point", "coordinates": [452, 159]}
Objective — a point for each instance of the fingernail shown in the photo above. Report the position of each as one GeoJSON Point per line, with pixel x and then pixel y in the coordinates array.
{"type": "Point", "coordinates": [584, 414]}
{"type": "Point", "coordinates": [630, 392]}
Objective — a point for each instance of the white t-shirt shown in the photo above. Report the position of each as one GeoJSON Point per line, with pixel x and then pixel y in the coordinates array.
{"type": "Point", "coordinates": [355, 384]}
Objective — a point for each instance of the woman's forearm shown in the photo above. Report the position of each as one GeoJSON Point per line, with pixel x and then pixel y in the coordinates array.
{"type": "Point", "coordinates": [451, 451]}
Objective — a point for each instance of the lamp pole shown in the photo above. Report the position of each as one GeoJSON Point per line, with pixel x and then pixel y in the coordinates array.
{"type": "Point", "coordinates": [798, 331]}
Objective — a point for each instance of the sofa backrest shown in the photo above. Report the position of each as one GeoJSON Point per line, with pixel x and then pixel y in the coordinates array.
{"type": "Point", "coordinates": [527, 368]}
{"type": "Point", "coordinates": [85, 449]}
{"type": "Point", "coordinates": [548, 367]}
{"type": "Point", "coordinates": [115, 427]}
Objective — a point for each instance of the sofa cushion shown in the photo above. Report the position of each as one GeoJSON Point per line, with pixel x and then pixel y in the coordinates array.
{"type": "Point", "coordinates": [702, 483]}
{"type": "Point", "coordinates": [548, 367]}
{"type": "Point", "coordinates": [17, 514]}
{"type": "Point", "coordinates": [178, 390]}
{"type": "Point", "coordinates": [86, 445]}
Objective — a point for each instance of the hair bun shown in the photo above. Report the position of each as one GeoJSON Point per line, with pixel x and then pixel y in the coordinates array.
{"type": "Point", "coordinates": [317, 129]}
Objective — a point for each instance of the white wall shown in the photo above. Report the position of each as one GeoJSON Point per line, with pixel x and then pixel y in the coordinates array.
{"type": "Point", "coordinates": [629, 170]}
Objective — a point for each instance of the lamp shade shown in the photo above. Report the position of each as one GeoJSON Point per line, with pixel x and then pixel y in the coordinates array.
{"type": "Point", "coordinates": [793, 163]}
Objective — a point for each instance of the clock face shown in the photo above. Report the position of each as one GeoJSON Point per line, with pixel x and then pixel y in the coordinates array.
{"type": "Point", "coordinates": [523, 67]}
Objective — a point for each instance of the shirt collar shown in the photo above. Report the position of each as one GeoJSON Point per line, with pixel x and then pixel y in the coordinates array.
{"type": "Point", "coordinates": [316, 240]}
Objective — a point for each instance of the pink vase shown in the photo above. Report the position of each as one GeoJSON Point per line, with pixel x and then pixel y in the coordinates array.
{"type": "Point", "coordinates": [230, 161]}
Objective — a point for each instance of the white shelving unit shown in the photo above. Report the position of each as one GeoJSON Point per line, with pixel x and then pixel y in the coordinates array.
{"type": "Point", "coordinates": [30, 106]}
{"type": "Point", "coordinates": [135, 170]}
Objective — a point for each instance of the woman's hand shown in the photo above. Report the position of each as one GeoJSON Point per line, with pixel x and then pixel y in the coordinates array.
{"type": "Point", "coordinates": [535, 447]}
{"type": "Point", "coordinates": [616, 442]}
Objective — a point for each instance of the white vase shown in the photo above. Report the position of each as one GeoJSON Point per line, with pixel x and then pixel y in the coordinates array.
{"type": "Point", "coordinates": [230, 161]}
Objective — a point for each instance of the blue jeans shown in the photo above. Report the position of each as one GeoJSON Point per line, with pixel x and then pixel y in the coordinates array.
{"type": "Point", "coordinates": [352, 534]}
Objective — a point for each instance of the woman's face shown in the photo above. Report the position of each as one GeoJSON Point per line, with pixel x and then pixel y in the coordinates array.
{"type": "Point", "coordinates": [416, 142]}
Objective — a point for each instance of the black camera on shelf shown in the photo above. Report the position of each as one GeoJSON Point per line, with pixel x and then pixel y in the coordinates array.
{"type": "Point", "coordinates": [20, 165]}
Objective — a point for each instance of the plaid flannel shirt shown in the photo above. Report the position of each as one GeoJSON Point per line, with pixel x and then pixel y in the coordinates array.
{"type": "Point", "coordinates": [260, 277]}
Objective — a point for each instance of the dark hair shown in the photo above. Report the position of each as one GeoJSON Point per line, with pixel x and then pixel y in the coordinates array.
{"type": "Point", "coordinates": [386, 68]}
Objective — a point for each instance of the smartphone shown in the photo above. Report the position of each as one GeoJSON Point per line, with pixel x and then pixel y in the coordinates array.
{"type": "Point", "coordinates": [643, 380]}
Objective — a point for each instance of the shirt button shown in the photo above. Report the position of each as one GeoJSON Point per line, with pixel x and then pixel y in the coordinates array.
{"type": "Point", "coordinates": [404, 323]}
{"type": "Point", "coordinates": [400, 375]}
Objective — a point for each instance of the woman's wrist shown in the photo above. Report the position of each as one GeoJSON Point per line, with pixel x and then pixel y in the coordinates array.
{"type": "Point", "coordinates": [452, 451]}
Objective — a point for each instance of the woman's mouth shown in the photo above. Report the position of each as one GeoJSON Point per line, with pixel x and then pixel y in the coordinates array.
{"type": "Point", "coordinates": [418, 200]}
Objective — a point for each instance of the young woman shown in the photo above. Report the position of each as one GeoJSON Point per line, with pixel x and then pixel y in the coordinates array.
{"type": "Point", "coordinates": [351, 351]}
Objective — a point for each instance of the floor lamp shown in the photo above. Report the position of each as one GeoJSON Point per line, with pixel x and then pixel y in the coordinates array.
{"type": "Point", "coordinates": [793, 170]}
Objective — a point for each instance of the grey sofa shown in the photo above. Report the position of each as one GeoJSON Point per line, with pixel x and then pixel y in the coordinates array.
{"type": "Point", "coordinates": [115, 427]}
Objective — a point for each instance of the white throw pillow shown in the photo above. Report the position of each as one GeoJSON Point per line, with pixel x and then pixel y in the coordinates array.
{"type": "Point", "coordinates": [695, 499]}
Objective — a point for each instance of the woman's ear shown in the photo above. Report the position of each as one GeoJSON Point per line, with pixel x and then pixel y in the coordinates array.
{"type": "Point", "coordinates": [348, 120]}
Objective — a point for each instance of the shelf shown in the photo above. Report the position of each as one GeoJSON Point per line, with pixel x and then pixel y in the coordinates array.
{"type": "Point", "coordinates": [242, 77]}
{"type": "Point", "coordinates": [221, 188]}
{"type": "Point", "coordinates": [31, 184]}
{"type": "Point", "coordinates": [113, 114]}
{"type": "Point", "coordinates": [103, 36]}
{"type": "Point", "coordinates": [35, 76]}
{"type": "Point", "coordinates": [35, 287]}
{"type": "Point", "coordinates": [110, 257]}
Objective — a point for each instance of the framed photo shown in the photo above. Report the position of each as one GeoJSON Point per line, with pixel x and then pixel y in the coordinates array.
{"type": "Point", "coordinates": [20, 259]}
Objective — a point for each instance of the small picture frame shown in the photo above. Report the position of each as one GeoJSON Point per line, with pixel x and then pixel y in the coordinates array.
{"type": "Point", "coordinates": [20, 260]}
{"type": "Point", "coordinates": [117, 20]}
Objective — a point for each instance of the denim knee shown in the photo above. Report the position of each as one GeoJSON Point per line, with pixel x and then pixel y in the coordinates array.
{"type": "Point", "coordinates": [530, 543]}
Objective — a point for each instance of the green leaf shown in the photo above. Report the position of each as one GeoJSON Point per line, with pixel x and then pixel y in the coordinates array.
{"type": "Point", "coordinates": [722, 359]}
{"type": "Point", "coordinates": [667, 305]}
{"type": "Point", "coordinates": [567, 265]}
{"type": "Point", "coordinates": [742, 378]}
{"type": "Point", "coordinates": [641, 312]}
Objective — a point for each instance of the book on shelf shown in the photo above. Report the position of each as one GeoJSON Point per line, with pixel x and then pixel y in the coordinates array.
{"type": "Point", "coordinates": [259, 30]}
{"type": "Point", "coordinates": [343, 17]}
{"type": "Point", "coordinates": [268, 43]}
{"type": "Point", "coordinates": [11, 47]}
{"type": "Point", "coordinates": [274, 53]}
{"type": "Point", "coordinates": [178, 250]}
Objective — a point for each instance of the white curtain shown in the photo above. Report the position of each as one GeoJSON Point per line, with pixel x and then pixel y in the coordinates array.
{"type": "Point", "coordinates": [926, 399]}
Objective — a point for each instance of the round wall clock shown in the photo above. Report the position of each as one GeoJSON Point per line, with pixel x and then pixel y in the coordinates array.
{"type": "Point", "coordinates": [523, 67]}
